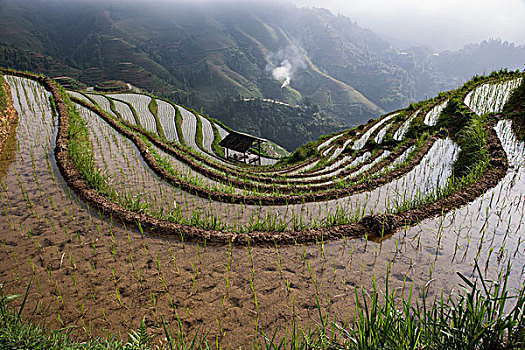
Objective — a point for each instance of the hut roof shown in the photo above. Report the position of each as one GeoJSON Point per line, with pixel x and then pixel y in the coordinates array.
{"type": "Point", "coordinates": [239, 141]}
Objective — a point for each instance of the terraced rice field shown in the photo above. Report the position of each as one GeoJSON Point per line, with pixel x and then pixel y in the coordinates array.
{"type": "Point", "coordinates": [401, 131]}
{"type": "Point", "coordinates": [490, 98]}
{"type": "Point", "coordinates": [122, 206]}
{"type": "Point", "coordinates": [431, 117]}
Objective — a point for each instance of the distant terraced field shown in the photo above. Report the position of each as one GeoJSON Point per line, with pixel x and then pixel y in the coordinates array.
{"type": "Point", "coordinates": [124, 180]}
{"type": "Point", "coordinates": [367, 173]}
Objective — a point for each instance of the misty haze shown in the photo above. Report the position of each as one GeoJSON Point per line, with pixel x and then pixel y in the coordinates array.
{"type": "Point", "coordinates": [288, 174]}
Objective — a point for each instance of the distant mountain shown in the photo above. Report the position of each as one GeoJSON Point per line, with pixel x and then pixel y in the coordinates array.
{"type": "Point", "coordinates": [479, 59]}
{"type": "Point", "coordinates": [203, 55]}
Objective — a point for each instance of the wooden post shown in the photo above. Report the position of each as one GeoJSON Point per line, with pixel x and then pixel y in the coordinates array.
{"type": "Point", "coordinates": [259, 144]}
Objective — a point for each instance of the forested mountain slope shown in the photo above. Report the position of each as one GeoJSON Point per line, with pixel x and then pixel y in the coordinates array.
{"type": "Point", "coordinates": [204, 55]}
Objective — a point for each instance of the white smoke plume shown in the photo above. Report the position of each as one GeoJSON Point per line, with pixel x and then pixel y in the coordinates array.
{"type": "Point", "coordinates": [283, 73]}
{"type": "Point", "coordinates": [285, 63]}
{"type": "Point", "coordinates": [286, 82]}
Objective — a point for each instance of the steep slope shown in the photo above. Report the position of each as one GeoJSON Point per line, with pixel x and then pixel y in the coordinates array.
{"type": "Point", "coordinates": [109, 244]}
{"type": "Point", "coordinates": [201, 55]}
{"type": "Point", "coordinates": [179, 48]}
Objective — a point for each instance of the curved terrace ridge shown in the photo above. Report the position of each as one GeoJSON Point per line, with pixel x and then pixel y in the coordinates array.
{"type": "Point", "coordinates": [334, 174]}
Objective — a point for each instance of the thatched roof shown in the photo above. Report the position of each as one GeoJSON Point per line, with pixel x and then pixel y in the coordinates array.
{"type": "Point", "coordinates": [239, 141]}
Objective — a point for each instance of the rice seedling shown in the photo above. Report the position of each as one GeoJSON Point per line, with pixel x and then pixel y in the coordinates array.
{"type": "Point", "coordinates": [194, 276]}
{"type": "Point", "coordinates": [117, 295]}
{"type": "Point", "coordinates": [152, 196]}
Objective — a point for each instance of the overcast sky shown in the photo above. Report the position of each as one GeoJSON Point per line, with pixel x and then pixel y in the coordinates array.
{"type": "Point", "coordinates": [441, 24]}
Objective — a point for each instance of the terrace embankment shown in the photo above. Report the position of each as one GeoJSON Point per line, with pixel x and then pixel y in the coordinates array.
{"type": "Point", "coordinates": [91, 270]}
{"type": "Point", "coordinates": [323, 192]}
{"type": "Point", "coordinates": [373, 225]}
{"type": "Point", "coordinates": [493, 175]}
{"type": "Point", "coordinates": [8, 121]}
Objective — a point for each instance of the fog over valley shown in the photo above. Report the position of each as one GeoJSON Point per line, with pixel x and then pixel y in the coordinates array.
{"type": "Point", "coordinates": [442, 25]}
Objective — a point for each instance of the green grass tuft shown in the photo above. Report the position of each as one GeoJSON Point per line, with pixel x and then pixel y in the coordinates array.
{"type": "Point", "coordinates": [515, 107]}
{"type": "Point", "coordinates": [301, 154]}
{"type": "Point", "coordinates": [473, 158]}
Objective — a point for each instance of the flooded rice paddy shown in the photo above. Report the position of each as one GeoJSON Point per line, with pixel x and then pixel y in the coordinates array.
{"type": "Point", "coordinates": [90, 271]}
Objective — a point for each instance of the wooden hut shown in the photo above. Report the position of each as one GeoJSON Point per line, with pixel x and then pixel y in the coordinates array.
{"type": "Point", "coordinates": [241, 143]}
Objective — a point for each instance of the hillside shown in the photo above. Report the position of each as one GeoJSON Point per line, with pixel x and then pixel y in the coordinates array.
{"type": "Point", "coordinates": [120, 209]}
{"type": "Point", "coordinates": [479, 59]}
{"type": "Point", "coordinates": [201, 56]}
{"type": "Point", "coordinates": [208, 51]}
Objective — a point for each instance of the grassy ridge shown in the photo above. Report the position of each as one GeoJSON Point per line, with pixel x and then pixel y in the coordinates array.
{"type": "Point", "coordinates": [3, 97]}
{"type": "Point", "coordinates": [81, 149]}
{"type": "Point", "coordinates": [153, 108]}
{"type": "Point", "coordinates": [516, 108]}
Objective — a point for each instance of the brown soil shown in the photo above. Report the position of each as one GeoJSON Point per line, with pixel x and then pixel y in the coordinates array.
{"type": "Point", "coordinates": [102, 278]}
{"type": "Point", "coordinates": [373, 226]}
{"type": "Point", "coordinates": [8, 117]}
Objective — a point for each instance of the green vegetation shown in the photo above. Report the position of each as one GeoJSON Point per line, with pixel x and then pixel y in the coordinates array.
{"type": "Point", "coordinates": [198, 133]}
{"type": "Point", "coordinates": [515, 108]}
{"type": "Point", "coordinates": [416, 128]}
{"type": "Point", "coordinates": [70, 83]}
{"type": "Point", "coordinates": [301, 154]}
{"type": "Point", "coordinates": [216, 140]}
{"type": "Point", "coordinates": [288, 126]}
{"type": "Point", "coordinates": [153, 108]}
{"type": "Point", "coordinates": [455, 116]}
{"type": "Point", "coordinates": [473, 158]}
{"type": "Point", "coordinates": [81, 149]}
{"type": "Point", "coordinates": [470, 132]}
{"type": "Point", "coordinates": [483, 314]}
{"type": "Point", "coordinates": [178, 125]}
{"type": "Point", "coordinates": [3, 97]}
{"type": "Point", "coordinates": [18, 333]}
{"type": "Point", "coordinates": [475, 318]}
{"type": "Point", "coordinates": [111, 86]}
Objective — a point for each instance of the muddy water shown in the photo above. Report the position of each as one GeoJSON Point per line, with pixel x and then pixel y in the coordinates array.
{"type": "Point", "coordinates": [490, 229]}
{"type": "Point", "coordinates": [105, 278]}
